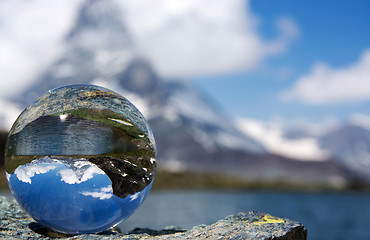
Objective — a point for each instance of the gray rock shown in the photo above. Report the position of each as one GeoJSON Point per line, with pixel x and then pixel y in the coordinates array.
{"type": "Point", "coordinates": [16, 224]}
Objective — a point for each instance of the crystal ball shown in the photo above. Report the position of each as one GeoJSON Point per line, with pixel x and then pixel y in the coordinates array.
{"type": "Point", "coordinates": [80, 159]}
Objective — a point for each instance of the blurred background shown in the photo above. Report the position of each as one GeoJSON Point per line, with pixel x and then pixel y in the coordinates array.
{"type": "Point", "coordinates": [255, 105]}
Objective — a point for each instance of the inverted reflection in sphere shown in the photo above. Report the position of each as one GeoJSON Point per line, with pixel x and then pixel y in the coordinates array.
{"type": "Point", "coordinates": [80, 159]}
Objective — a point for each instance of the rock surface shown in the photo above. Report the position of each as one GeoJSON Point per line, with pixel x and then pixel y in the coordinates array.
{"type": "Point", "coordinates": [16, 224]}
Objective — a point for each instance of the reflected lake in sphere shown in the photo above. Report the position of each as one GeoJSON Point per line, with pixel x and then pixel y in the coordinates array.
{"type": "Point", "coordinates": [80, 159]}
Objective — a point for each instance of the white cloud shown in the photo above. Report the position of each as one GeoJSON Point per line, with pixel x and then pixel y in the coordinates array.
{"type": "Point", "coordinates": [180, 37]}
{"type": "Point", "coordinates": [193, 37]}
{"type": "Point", "coordinates": [273, 139]}
{"type": "Point", "coordinates": [288, 27]}
{"type": "Point", "coordinates": [25, 173]}
{"type": "Point", "coordinates": [103, 193]}
{"type": "Point", "coordinates": [30, 38]}
{"type": "Point", "coordinates": [288, 32]}
{"type": "Point", "coordinates": [328, 85]}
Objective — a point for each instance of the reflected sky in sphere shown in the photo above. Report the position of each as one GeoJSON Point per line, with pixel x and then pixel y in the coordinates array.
{"type": "Point", "coordinates": [80, 159]}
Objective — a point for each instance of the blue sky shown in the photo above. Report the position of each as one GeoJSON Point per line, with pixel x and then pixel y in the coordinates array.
{"type": "Point", "coordinates": [332, 32]}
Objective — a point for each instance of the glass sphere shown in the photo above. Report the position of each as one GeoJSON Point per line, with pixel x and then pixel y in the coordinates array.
{"type": "Point", "coordinates": [80, 159]}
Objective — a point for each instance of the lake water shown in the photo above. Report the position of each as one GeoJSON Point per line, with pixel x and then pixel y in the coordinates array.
{"type": "Point", "coordinates": [326, 216]}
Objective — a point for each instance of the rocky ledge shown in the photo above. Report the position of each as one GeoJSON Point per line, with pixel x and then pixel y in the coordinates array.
{"type": "Point", "coordinates": [16, 224]}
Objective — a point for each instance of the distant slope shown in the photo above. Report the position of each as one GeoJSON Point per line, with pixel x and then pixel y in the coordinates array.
{"type": "Point", "coordinates": [350, 144]}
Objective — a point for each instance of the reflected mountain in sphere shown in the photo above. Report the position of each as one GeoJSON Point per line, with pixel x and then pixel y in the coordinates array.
{"type": "Point", "coordinates": [80, 159]}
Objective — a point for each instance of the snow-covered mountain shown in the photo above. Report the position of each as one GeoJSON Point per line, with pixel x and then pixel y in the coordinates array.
{"type": "Point", "coordinates": [191, 133]}
{"type": "Point", "coordinates": [348, 143]}
{"type": "Point", "coordinates": [99, 52]}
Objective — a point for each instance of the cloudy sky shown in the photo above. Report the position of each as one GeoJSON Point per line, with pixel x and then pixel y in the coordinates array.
{"type": "Point", "coordinates": [284, 61]}
{"type": "Point", "coordinates": [322, 75]}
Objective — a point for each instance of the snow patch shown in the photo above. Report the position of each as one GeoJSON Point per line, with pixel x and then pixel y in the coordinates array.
{"type": "Point", "coordinates": [230, 141]}
{"type": "Point", "coordinates": [204, 139]}
{"type": "Point", "coordinates": [63, 117]}
{"type": "Point", "coordinates": [69, 176]}
{"type": "Point", "coordinates": [189, 104]}
{"type": "Point", "coordinates": [272, 137]}
{"type": "Point", "coordinates": [173, 165]}
{"type": "Point", "coordinates": [122, 122]}
{"type": "Point", "coordinates": [172, 116]}
{"type": "Point", "coordinates": [360, 120]}
{"type": "Point", "coordinates": [112, 62]}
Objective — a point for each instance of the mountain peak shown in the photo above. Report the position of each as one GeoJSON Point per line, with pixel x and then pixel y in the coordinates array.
{"type": "Point", "coordinates": [99, 25]}
{"type": "Point", "coordinates": [139, 77]}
